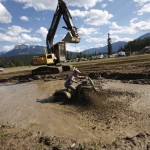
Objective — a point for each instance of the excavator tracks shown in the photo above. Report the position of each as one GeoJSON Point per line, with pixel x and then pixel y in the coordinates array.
{"type": "Point", "coordinates": [47, 70]}
{"type": "Point", "coordinates": [51, 69]}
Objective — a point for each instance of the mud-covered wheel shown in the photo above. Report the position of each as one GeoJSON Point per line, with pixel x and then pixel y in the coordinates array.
{"type": "Point", "coordinates": [82, 96]}
{"type": "Point", "coordinates": [61, 96]}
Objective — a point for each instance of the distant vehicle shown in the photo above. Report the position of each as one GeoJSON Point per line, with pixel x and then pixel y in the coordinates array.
{"type": "Point", "coordinates": [121, 54]}
{"type": "Point", "coordinates": [146, 49]}
{"type": "Point", "coordinates": [100, 56]}
{"type": "Point", "coordinates": [1, 69]}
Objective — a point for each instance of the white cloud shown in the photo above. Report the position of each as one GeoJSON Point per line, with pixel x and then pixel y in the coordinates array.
{"type": "Point", "coordinates": [40, 5]}
{"type": "Point", "coordinates": [98, 17]}
{"type": "Point", "coordinates": [115, 26]}
{"type": "Point", "coordinates": [28, 38]}
{"type": "Point", "coordinates": [43, 32]}
{"type": "Point", "coordinates": [133, 20]}
{"type": "Point", "coordinates": [104, 5]}
{"type": "Point", "coordinates": [7, 38]}
{"type": "Point", "coordinates": [93, 17]}
{"type": "Point", "coordinates": [144, 6]}
{"type": "Point", "coordinates": [102, 40]}
{"type": "Point", "coordinates": [116, 29]}
{"type": "Point", "coordinates": [145, 9]}
{"type": "Point", "coordinates": [141, 2]}
{"type": "Point", "coordinates": [95, 40]}
{"type": "Point", "coordinates": [87, 31]}
{"type": "Point", "coordinates": [83, 3]}
{"type": "Point", "coordinates": [38, 19]}
{"type": "Point", "coordinates": [24, 18]}
{"type": "Point", "coordinates": [99, 45]}
{"type": "Point", "coordinates": [5, 15]}
{"type": "Point", "coordinates": [116, 38]}
{"type": "Point", "coordinates": [71, 48]}
{"type": "Point", "coordinates": [17, 34]}
{"type": "Point", "coordinates": [22, 38]}
{"type": "Point", "coordinates": [79, 13]}
{"type": "Point", "coordinates": [141, 26]}
{"type": "Point", "coordinates": [16, 30]}
{"type": "Point", "coordinates": [7, 47]}
{"type": "Point", "coordinates": [133, 27]}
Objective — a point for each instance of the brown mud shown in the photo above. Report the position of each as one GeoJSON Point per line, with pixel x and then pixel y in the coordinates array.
{"type": "Point", "coordinates": [116, 117]}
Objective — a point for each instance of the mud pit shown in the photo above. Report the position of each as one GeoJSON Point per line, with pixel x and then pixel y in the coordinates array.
{"type": "Point", "coordinates": [120, 110]}
{"type": "Point", "coordinates": [118, 117]}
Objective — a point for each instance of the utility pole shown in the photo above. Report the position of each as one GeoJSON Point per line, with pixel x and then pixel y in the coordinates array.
{"type": "Point", "coordinates": [109, 45]}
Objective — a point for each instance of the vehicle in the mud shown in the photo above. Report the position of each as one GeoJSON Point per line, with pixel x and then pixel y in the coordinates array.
{"type": "Point", "coordinates": [78, 94]}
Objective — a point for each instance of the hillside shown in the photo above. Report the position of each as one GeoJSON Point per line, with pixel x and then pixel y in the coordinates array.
{"type": "Point", "coordinates": [144, 36]}
{"type": "Point", "coordinates": [115, 47]}
{"type": "Point", "coordinates": [23, 49]}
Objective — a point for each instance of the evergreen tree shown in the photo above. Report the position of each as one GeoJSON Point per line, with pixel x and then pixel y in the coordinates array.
{"type": "Point", "coordinates": [109, 45]}
{"type": "Point", "coordinates": [67, 55]}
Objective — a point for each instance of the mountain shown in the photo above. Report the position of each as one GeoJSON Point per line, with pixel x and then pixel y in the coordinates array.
{"type": "Point", "coordinates": [1, 53]}
{"type": "Point", "coordinates": [23, 49]}
{"type": "Point", "coordinates": [115, 48]}
{"type": "Point", "coordinates": [144, 36]}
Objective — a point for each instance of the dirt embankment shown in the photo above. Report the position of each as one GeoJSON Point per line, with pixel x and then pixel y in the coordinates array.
{"type": "Point", "coordinates": [14, 138]}
{"type": "Point", "coordinates": [136, 74]}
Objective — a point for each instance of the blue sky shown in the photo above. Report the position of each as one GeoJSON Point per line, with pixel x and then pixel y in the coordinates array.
{"type": "Point", "coordinates": [27, 21]}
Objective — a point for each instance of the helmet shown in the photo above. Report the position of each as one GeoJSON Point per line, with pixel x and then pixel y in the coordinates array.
{"type": "Point", "coordinates": [76, 71]}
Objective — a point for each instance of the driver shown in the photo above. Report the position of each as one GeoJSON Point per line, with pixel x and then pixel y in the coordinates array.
{"type": "Point", "coordinates": [73, 78]}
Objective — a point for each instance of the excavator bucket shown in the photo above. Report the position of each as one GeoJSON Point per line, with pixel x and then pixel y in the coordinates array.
{"type": "Point", "coordinates": [69, 39]}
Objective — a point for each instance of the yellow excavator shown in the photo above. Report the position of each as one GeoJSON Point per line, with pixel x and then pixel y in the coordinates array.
{"type": "Point", "coordinates": [55, 54]}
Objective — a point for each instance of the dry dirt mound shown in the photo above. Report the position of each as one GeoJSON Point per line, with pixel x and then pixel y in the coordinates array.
{"type": "Point", "coordinates": [138, 142]}
{"type": "Point", "coordinates": [15, 138]}
{"type": "Point", "coordinates": [136, 78]}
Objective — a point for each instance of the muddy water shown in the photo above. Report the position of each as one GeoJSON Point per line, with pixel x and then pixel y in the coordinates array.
{"type": "Point", "coordinates": [141, 101]}
{"type": "Point", "coordinates": [27, 105]}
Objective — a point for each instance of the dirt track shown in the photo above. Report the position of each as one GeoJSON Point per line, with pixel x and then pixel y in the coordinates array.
{"type": "Point", "coordinates": [120, 111]}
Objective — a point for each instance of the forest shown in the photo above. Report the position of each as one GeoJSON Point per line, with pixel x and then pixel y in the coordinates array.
{"type": "Point", "coordinates": [136, 45]}
{"type": "Point", "coordinates": [15, 61]}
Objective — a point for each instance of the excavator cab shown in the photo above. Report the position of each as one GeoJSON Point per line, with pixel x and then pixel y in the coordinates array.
{"type": "Point", "coordinates": [59, 55]}
{"type": "Point", "coordinates": [60, 51]}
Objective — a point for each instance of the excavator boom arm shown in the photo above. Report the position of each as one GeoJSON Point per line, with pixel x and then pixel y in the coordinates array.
{"type": "Point", "coordinates": [52, 30]}
{"type": "Point", "coordinates": [60, 10]}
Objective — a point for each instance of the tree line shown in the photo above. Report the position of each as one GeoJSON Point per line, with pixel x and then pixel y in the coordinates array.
{"type": "Point", "coordinates": [15, 61]}
{"type": "Point", "coordinates": [72, 55]}
{"type": "Point", "coordinates": [136, 45]}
